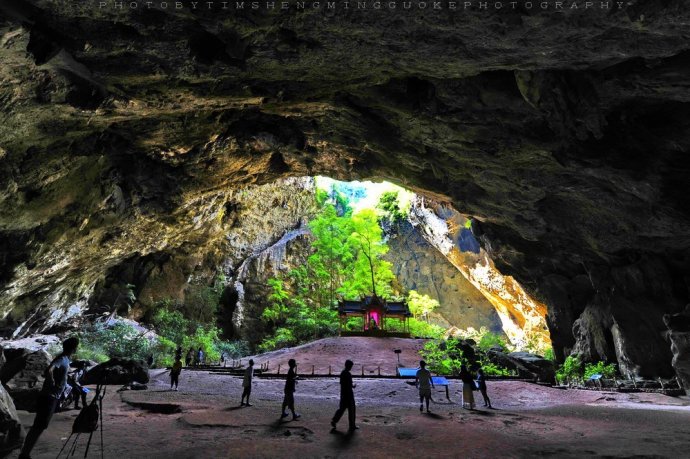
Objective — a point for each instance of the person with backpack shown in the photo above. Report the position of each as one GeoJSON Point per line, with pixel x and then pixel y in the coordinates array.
{"type": "Point", "coordinates": [247, 383]}
{"type": "Point", "coordinates": [289, 398]}
{"type": "Point", "coordinates": [175, 372]}
{"type": "Point", "coordinates": [49, 397]}
{"type": "Point", "coordinates": [424, 382]}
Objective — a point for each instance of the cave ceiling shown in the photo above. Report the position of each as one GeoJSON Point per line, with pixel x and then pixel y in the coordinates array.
{"type": "Point", "coordinates": [564, 134]}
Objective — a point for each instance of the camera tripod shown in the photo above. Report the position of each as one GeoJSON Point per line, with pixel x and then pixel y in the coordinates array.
{"type": "Point", "coordinates": [88, 421]}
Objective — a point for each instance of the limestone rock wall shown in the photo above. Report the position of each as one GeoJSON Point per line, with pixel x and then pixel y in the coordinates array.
{"type": "Point", "coordinates": [420, 266]}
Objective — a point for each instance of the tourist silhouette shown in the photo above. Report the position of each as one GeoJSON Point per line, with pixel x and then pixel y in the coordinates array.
{"type": "Point", "coordinates": [481, 385]}
{"type": "Point", "coordinates": [424, 382]}
{"type": "Point", "coordinates": [289, 398]}
{"type": "Point", "coordinates": [175, 372]}
{"type": "Point", "coordinates": [347, 398]}
{"type": "Point", "coordinates": [49, 397]}
{"type": "Point", "coordinates": [467, 388]}
{"type": "Point", "coordinates": [247, 383]}
{"type": "Point", "coordinates": [189, 358]}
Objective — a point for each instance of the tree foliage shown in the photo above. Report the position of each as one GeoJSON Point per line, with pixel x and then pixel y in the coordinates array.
{"type": "Point", "coordinates": [421, 305]}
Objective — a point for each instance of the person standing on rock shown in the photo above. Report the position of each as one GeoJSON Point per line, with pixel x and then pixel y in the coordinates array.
{"type": "Point", "coordinates": [467, 388]}
{"type": "Point", "coordinates": [481, 385]}
{"type": "Point", "coordinates": [49, 397]}
{"type": "Point", "coordinates": [289, 399]}
{"type": "Point", "coordinates": [424, 382]}
{"type": "Point", "coordinates": [247, 383]}
{"type": "Point", "coordinates": [347, 398]}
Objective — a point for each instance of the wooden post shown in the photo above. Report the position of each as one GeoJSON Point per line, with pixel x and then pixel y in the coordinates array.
{"type": "Point", "coordinates": [329, 370]}
{"type": "Point", "coordinates": [312, 370]}
{"type": "Point", "coordinates": [278, 369]}
{"type": "Point", "coordinates": [362, 370]}
{"type": "Point", "coordinates": [379, 370]}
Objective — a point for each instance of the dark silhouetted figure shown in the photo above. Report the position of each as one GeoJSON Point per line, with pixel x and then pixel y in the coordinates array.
{"type": "Point", "coordinates": [247, 383]}
{"type": "Point", "coordinates": [481, 385]}
{"type": "Point", "coordinates": [175, 373]}
{"type": "Point", "coordinates": [178, 353]}
{"type": "Point", "coordinates": [467, 388]}
{"type": "Point", "coordinates": [189, 358]}
{"type": "Point", "coordinates": [289, 399]}
{"type": "Point", "coordinates": [347, 398]}
{"type": "Point", "coordinates": [48, 399]}
{"type": "Point", "coordinates": [199, 357]}
{"type": "Point", "coordinates": [74, 380]}
{"type": "Point", "coordinates": [424, 382]}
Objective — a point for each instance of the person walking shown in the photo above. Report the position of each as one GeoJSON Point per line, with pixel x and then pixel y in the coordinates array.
{"type": "Point", "coordinates": [49, 397]}
{"type": "Point", "coordinates": [347, 398]}
{"type": "Point", "coordinates": [175, 372]}
{"type": "Point", "coordinates": [289, 398]}
{"type": "Point", "coordinates": [424, 382]}
{"type": "Point", "coordinates": [247, 383]}
{"type": "Point", "coordinates": [467, 388]}
{"type": "Point", "coordinates": [199, 357]}
{"type": "Point", "coordinates": [481, 385]}
{"type": "Point", "coordinates": [189, 358]}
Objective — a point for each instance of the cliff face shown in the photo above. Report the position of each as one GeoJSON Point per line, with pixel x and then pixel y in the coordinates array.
{"type": "Point", "coordinates": [564, 135]}
{"type": "Point", "coordinates": [422, 267]}
{"type": "Point", "coordinates": [521, 316]}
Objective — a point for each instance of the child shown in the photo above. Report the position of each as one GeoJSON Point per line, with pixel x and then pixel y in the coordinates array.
{"type": "Point", "coordinates": [175, 372]}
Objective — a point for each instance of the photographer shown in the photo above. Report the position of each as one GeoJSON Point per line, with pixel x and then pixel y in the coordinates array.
{"type": "Point", "coordinates": [48, 399]}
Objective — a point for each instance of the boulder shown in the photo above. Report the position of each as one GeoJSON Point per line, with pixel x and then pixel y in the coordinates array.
{"type": "Point", "coordinates": [679, 335]}
{"type": "Point", "coordinates": [11, 431]}
{"type": "Point", "coordinates": [22, 375]}
{"type": "Point", "coordinates": [118, 371]}
{"type": "Point", "coordinates": [527, 365]}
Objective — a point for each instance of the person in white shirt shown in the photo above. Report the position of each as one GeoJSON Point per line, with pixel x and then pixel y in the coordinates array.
{"type": "Point", "coordinates": [247, 383]}
{"type": "Point", "coordinates": [424, 382]}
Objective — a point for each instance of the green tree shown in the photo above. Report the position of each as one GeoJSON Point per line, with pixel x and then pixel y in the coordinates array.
{"type": "Point", "coordinates": [421, 305]}
{"type": "Point", "coordinates": [371, 273]}
{"type": "Point", "coordinates": [390, 207]}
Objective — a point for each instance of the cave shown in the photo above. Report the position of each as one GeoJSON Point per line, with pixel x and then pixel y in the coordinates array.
{"type": "Point", "coordinates": [146, 149]}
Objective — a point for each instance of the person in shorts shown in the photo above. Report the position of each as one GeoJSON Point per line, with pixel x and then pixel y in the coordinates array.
{"type": "Point", "coordinates": [424, 382]}
{"type": "Point", "coordinates": [289, 399]}
{"type": "Point", "coordinates": [49, 397]}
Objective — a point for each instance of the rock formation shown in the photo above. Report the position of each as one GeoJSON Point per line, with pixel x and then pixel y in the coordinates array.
{"type": "Point", "coordinates": [679, 335]}
{"type": "Point", "coordinates": [563, 134]}
{"type": "Point", "coordinates": [420, 266]}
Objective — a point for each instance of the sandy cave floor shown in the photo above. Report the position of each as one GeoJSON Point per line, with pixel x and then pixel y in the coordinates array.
{"type": "Point", "coordinates": [206, 421]}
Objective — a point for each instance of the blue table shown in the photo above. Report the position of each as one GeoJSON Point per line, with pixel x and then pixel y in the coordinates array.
{"type": "Point", "coordinates": [437, 380]}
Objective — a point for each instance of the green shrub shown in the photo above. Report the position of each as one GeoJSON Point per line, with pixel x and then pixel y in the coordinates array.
{"type": "Point", "coordinates": [233, 349]}
{"type": "Point", "coordinates": [607, 371]}
{"type": "Point", "coordinates": [490, 339]}
{"type": "Point", "coordinates": [171, 325]}
{"type": "Point", "coordinates": [491, 369]}
{"type": "Point", "coordinates": [101, 342]}
{"type": "Point", "coordinates": [283, 337]}
{"type": "Point", "coordinates": [165, 352]}
{"type": "Point", "coordinates": [549, 355]}
{"type": "Point", "coordinates": [417, 328]}
{"type": "Point", "coordinates": [571, 369]}
{"type": "Point", "coordinates": [206, 339]}
{"type": "Point", "coordinates": [443, 357]}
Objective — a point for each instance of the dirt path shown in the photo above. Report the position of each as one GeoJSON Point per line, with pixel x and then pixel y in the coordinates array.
{"type": "Point", "coordinates": [204, 420]}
